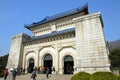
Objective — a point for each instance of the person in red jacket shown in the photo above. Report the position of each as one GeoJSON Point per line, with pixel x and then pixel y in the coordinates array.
{"type": "Point", "coordinates": [5, 73]}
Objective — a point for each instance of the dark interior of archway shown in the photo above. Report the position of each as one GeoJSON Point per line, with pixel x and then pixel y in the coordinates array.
{"type": "Point", "coordinates": [68, 67]}
{"type": "Point", "coordinates": [48, 63]}
{"type": "Point", "coordinates": [31, 66]}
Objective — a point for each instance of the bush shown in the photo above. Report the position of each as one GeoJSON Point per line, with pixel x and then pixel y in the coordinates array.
{"type": "Point", "coordinates": [81, 76]}
{"type": "Point", "coordinates": [103, 76]}
{"type": "Point", "coordinates": [1, 74]}
{"type": "Point", "coordinates": [118, 77]}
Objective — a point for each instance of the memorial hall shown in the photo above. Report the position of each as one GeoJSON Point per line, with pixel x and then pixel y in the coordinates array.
{"type": "Point", "coordinates": [71, 40]}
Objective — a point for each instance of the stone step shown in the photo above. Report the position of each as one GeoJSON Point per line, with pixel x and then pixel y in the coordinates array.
{"type": "Point", "coordinates": [42, 77]}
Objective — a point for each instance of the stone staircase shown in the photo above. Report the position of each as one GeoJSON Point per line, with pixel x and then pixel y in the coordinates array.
{"type": "Point", "coordinates": [42, 77]}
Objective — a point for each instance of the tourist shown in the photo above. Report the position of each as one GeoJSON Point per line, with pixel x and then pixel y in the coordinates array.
{"type": "Point", "coordinates": [18, 71]}
{"type": "Point", "coordinates": [14, 74]}
{"type": "Point", "coordinates": [71, 70]}
{"type": "Point", "coordinates": [41, 70]}
{"type": "Point", "coordinates": [23, 72]}
{"type": "Point", "coordinates": [5, 73]}
{"type": "Point", "coordinates": [33, 76]}
{"type": "Point", "coordinates": [11, 69]}
{"type": "Point", "coordinates": [68, 69]}
{"type": "Point", "coordinates": [47, 72]}
{"type": "Point", "coordinates": [53, 70]}
{"type": "Point", "coordinates": [35, 69]}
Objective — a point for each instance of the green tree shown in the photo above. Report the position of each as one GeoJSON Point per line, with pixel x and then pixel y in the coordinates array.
{"type": "Point", "coordinates": [115, 58]}
{"type": "Point", "coordinates": [3, 61]}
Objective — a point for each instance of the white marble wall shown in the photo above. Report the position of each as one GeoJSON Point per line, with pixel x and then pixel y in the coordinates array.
{"type": "Point", "coordinates": [15, 51]}
{"type": "Point", "coordinates": [90, 44]}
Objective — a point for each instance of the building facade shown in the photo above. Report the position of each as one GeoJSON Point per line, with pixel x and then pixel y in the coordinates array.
{"type": "Point", "coordinates": [70, 40]}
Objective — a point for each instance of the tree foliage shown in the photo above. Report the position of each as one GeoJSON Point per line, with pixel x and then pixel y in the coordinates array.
{"type": "Point", "coordinates": [3, 61]}
{"type": "Point", "coordinates": [115, 58]}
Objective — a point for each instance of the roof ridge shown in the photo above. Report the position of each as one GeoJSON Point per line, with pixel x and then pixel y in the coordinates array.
{"type": "Point", "coordinates": [59, 15]}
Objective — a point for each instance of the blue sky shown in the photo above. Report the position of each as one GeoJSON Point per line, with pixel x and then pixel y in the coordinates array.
{"type": "Point", "coordinates": [15, 13]}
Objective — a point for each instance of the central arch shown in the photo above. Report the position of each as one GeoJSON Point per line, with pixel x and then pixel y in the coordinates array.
{"type": "Point", "coordinates": [48, 61]}
{"type": "Point", "coordinates": [68, 64]}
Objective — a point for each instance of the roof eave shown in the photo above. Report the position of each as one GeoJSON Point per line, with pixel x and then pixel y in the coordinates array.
{"type": "Point", "coordinates": [82, 9]}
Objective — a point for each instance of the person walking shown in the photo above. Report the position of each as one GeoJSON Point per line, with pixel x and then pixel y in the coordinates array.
{"type": "Point", "coordinates": [33, 76]}
{"type": "Point", "coordinates": [14, 74]}
{"type": "Point", "coordinates": [47, 72]}
{"type": "Point", "coordinates": [53, 70]}
{"type": "Point", "coordinates": [5, 73]}
{"type": "Point", "coordinates": [23, 72]}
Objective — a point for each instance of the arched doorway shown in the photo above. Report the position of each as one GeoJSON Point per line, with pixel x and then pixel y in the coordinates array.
{"type": "Point", "coordinates": [48, 61]}
{"type": "Point", "coordinates": [68, 64]}
{"type": "Point", "coordinates": [31, 65]}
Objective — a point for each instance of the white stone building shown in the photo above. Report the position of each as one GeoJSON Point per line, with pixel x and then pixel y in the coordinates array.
{"type": "Point", "coordinates": [72, 39]}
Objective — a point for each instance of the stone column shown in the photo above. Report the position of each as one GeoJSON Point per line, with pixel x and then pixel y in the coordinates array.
{"type": "Point", "coordinates": [37, 60]}
{"type": "Point", "coordinates": [56, 57]}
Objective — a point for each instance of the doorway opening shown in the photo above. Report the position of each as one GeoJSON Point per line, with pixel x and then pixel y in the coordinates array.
{"type": "Point", "coordinates": [31, 65]}
{"type": "Point", "coordinates": [68, 65]}
{"type": "Point", "coordinates": [48, 62]}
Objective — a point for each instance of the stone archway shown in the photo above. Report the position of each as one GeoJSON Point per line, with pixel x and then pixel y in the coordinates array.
{"type": "Point", "coordinates": [68, 64]}
{"type": "Point", "coordinates": [30, 61]}
{"type": "Point", "coordinates": [48, 61]}
{"type": "Point", "coordinates": [31, 65]}
{"type": "Point", "coordinates": [43, 55]}
{"type": "Point", "coordinates": [63, 56]}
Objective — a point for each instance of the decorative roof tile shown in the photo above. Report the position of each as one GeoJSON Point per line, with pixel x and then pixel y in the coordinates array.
{"type": "Point", "coordinates": [52, 34]}
{"type": "Point", "coordinates": [60, 15]}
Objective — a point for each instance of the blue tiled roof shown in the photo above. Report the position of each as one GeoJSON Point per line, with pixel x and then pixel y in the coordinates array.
{"type": "Point", "coordinates": [57, 16]}
{"type": "Point", "coordinates": [53, 34]}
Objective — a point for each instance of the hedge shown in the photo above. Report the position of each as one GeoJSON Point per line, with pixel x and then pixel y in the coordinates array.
{"type": "Point", "coordinates": [103, 76]}
{"type": "Point", "coordinates": [95, 76]}
{"type": "Point", "coordinates": [118, 77]}
{"type": "Point", "coordinates": [1, 74]}
{"type": "Point", "coordinates": [81, 76]}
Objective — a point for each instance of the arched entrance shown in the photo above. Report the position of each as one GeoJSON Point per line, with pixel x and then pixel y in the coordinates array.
{"type": "Point", "coordinates": [68, 64]}
{"type": "Point", "coordinates": [48, 61]}
{"type": "Point", "coordinates": [31, 65]}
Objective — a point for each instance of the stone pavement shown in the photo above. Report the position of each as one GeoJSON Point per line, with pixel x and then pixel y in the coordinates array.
{"type": "Point", "coordinates": [41, 77]}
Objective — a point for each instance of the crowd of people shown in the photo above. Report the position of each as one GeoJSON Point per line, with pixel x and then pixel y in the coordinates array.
{"type": "Point", "coordinates": [21, 71]}
{"type": "Point", "coordinates": [42, 70]}
{"type": "Point", "coordinates": [13, 71]}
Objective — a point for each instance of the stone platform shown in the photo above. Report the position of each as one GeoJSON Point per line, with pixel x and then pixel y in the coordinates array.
{"type": "Point", "coordinates": [41, 77]}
